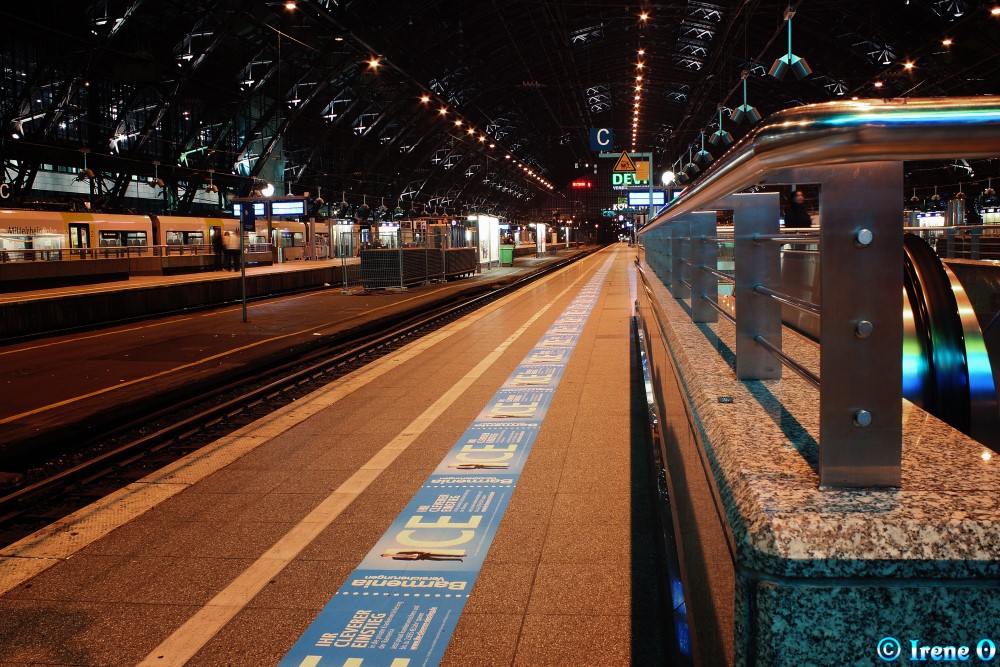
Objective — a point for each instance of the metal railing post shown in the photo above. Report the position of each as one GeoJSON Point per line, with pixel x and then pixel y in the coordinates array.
{"type": "Point", "coordinates": [755, 264]}
{"type": "Point", "coordinates": [657, 248]}
{"type": "Point", "coordinates": [975, 233]}
{"type": "Point", "coordinates": [704, 285]}
{"type": "Point", "coordinates": [861, 329]}
{"type": "Point", "coordinates": [679, 252]}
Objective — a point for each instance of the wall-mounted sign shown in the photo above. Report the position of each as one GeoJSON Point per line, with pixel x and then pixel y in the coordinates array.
{"type": "Point", "coordinates": [626, 179]}
{"type": "Point", "coordinates": [294, 207]}
{"type": "Point", "coordinates": [624, 164]}
{"type": "Point", "coordinates": [258, 209]}
{"type": "Point", "coordinates": [601, 139]}
{"type": "Point", "coordinates": [581, 184]}
{"type": "Point", "coordinates": [4, 190]}
{"type": "Point", "coordinates": [247, 217]}
{"type": "Point", "coordinates": [641, 198]}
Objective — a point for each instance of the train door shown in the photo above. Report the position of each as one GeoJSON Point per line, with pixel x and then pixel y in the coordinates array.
{"type": "Point", "coordinates": [79, 235]}
{"type": "Point", "coordinates": [276, 245]}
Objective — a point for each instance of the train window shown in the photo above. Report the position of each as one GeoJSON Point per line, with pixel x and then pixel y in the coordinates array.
{"type": "Point", "coordinates": [185, 238]}
{"type": "Point", "coordinates": [109, 239]}
{"type": "Point", "coordinates": [136, 238]}
{"type": "Point", "coordinates": [298, 239]}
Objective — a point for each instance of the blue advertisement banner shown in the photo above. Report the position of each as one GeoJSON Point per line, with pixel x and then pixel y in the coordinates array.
{"type": "Point", "coordinates": [402, 603]}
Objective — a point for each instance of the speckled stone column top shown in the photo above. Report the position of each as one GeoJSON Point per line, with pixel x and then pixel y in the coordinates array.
{"type": "Point", "coordinates": [763, 450]}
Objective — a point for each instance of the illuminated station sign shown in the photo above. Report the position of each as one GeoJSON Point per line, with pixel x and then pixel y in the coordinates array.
{"type": "Point", "coordinates": [629, 173]}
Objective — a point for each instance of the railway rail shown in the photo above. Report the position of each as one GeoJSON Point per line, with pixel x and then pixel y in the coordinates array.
{"type": "Point", "coordinates": [75, 473]}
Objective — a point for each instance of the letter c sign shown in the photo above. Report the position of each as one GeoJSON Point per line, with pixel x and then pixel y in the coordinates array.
{"type": "Point", "coordinates": [601, 139]}
{"type": "Point", "coordinates": [4, 190]}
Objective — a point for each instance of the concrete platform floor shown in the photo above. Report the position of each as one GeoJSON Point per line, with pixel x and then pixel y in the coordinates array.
{"type": "Point", "coordinates": [212, 561]}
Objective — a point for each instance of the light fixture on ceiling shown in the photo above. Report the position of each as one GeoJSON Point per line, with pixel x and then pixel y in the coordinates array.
{"type": "Point", "coordinates": [790, 61]}
{"type": "Point", "coordinates": [745, 110]}
{"type": "Point", "coordinates": [720, 136]}
{"type": "Point", "coordinates": [211, 187]}
{"type": "Point", "coordinates": [680, 176]}
{"type": "Point", "coordinates": [156, 181]}
{"type": "Point", "coordinates": [691, 168]}
{"type": "Point", "coordinates": [703, 156]}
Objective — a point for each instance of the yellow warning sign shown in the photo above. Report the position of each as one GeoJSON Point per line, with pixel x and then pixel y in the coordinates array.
{"type": "Point", "coordinates": [624, 163]}
{"type": "Point", "coordinates": [642, 170]}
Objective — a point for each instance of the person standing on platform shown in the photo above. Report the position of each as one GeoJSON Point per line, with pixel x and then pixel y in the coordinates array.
{"type": "Point", "coordinates": [231, 242]}
{"type": "Point", "coordinates": [218, 248]}
{"type": "Point", "coordinates": [797, 216]}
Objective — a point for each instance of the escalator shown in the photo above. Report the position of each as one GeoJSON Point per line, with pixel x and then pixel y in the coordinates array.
{"type": "Point", "coordinates": [946, 364]}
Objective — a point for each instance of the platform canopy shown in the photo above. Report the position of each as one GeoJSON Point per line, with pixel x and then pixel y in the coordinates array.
{"type": "Point", "coordinates": [444, 105]}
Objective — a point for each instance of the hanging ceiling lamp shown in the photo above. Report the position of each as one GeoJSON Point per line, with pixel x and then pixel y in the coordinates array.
{"type": "Point", "coordinates": [745, 110]}
{"type": "Point", "coordinates": [211, 187]}
{"type": "Point", "coordinates": [691, 168]}
{"type": "Point", "coordinates": [703, 156]}
{"type": "Point", "coordinates": [680, 176]}
{"type": "Point", "coordinates": [989, 194]}
{"type": "Point", "coordinates": [935, 200]}
{"type": "Point", "coordinates": [85, 173]}
{"type": "Point", "coordinates": [720, 136]}
{"type": "Point", "coordinates": [790, 61]}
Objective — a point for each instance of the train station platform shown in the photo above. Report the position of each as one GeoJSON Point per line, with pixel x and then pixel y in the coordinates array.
{"type": "Point", "coordinates": [32, 312]}
{"type": "Point", "coordinates": [469, 499]}
{"type": "Point", "coordinates": [155, 354]}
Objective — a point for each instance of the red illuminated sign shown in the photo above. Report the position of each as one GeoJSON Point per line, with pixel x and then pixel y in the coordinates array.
{"type": "Point", "coordinates": [581, 183]}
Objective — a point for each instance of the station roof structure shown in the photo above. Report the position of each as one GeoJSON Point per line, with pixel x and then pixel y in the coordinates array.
{"type": "Point", "coordinates": [453, 105]}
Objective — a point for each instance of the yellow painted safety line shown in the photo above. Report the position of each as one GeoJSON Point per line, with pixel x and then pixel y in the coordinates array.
{"type": "Point", "coordinates": [99, 335]}
{"type": "Point", "coordinates": [177, 649]}
{"type": "Point", "coordinates": [192, 364]}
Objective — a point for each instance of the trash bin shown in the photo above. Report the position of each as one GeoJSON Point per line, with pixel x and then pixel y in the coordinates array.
{"type": "Point", "coordinates": [506, 255]}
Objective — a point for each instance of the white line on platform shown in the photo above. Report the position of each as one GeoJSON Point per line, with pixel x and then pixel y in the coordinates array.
{"type": "Point", "coordinates": [187, 640]}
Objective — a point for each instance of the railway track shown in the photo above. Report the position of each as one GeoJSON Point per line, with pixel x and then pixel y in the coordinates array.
{"type": "Point", "coordinates": [74, 474]}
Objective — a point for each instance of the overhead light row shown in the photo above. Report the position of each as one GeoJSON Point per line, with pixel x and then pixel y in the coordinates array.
{"type": "Point", "coordinates": [470, 130]}
{"type": "Point", "coordinates": [640, 73]}
{"type": "Point", "coordinates": [637, 98]}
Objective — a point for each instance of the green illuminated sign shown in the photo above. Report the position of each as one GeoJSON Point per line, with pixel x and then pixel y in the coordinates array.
{"type": "Point", "coordinates": [626, 178]}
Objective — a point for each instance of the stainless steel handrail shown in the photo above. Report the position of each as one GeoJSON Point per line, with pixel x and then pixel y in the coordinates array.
{"type": "Point", "coordinates": [799, 304]}
{"type": "Point", "coordinates": [721, 275]}
{"type": "Point", "coordinates": [845, 132]}
{"type": "Point", "coordinates": [722, 311]}
{"type": "Point", "coordinates": [786, 238]}
{"type": "Point", "coordinates": [808, 376]}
